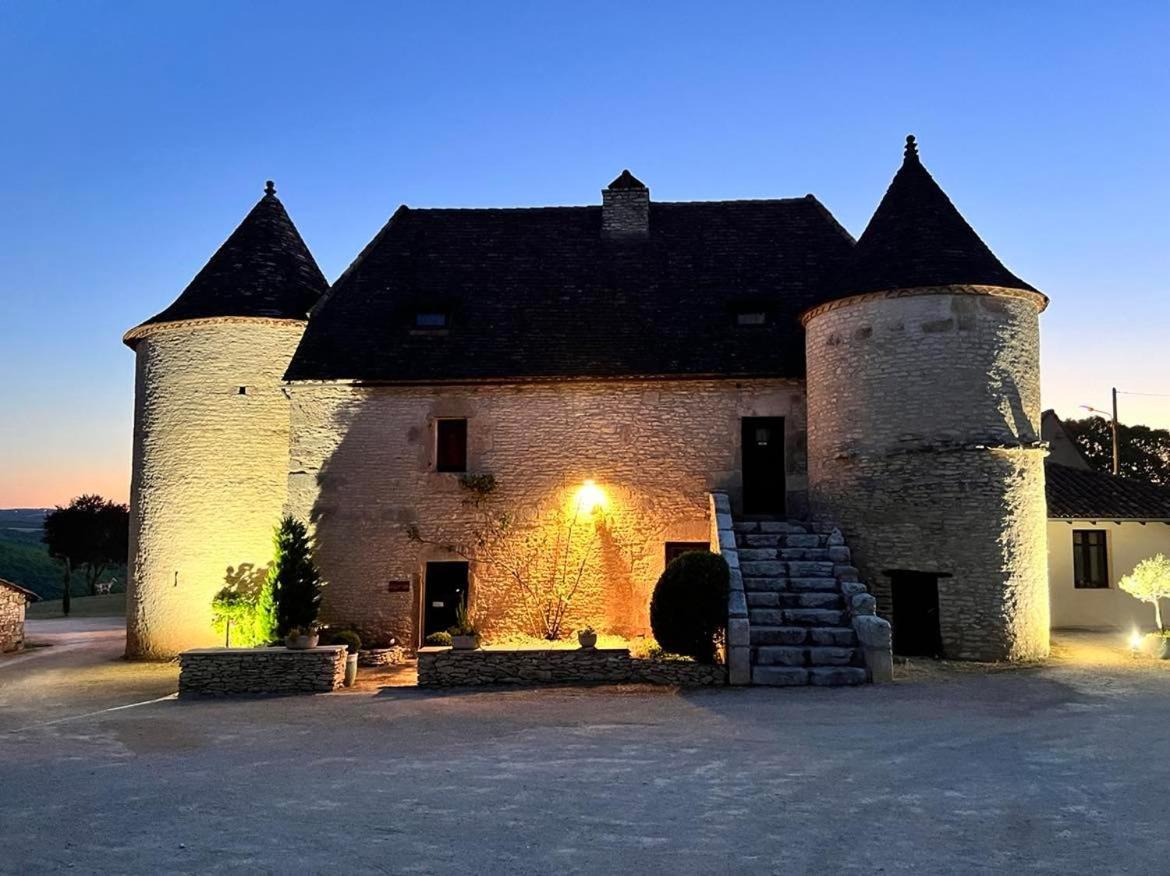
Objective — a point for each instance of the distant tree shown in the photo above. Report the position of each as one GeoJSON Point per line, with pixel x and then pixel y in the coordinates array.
{"type": "Point", "coordinates": [295, 581]}
{"type": "Point", "coordinates": [1144, 453]}
{"type": "Point", "coordinates": [90, 534]}
{"type": "Point", "coordinates": [1150, 582]}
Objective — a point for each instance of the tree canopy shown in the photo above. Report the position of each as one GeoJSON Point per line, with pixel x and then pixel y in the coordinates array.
{"type": "Point", "coordinates": [89, 533]}
{"type": "Point", "coordinates": [1144, 452]}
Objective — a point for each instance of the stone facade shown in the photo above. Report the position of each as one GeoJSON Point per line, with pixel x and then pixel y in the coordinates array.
{"type": "Point", "coordinates": [445, 667]}
{"type": "Point", "coordinates": [924, 416]}
{"type": "Point", "coordinates": [210, 471]}
{"type": "Point", "coordinates": [362, 471]}
{"type": "Point", "coordinates": [391, 656]}
{"type": "Point", "coordinates": [12, 603]}
{"type": "Point", "coordinates": [219, 671]}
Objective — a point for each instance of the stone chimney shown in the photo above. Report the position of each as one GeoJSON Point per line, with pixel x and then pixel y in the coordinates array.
{"type": "Point", "coordinates": [625, 209]}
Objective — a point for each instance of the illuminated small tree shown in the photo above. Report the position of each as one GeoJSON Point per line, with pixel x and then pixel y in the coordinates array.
{"type": "Point", "coordinates": [1150, 582]}
{"type": "Point", "coordinates": [546, 554]}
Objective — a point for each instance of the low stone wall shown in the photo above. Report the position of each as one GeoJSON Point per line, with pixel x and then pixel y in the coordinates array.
{"type": "Point", "coordinates": [739, 632]}
{"type": "Point", "coordinates": [382, 656]}
{"type": "Point", "coordinates": [446, 667]}
{"type": "Point", "coordinates": [12, 604]}
{"type": "Point", "coordinates": [219, 671]}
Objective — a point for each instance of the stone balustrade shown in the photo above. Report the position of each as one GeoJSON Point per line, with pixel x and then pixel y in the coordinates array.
{"type": "Point", "coordinates": [222, 671]}
{"type": "Point", "coordinates": [446, 667]}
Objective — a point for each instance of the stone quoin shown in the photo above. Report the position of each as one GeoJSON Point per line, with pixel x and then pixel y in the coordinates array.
{"type": "Point", "coordinates": [869, 410]}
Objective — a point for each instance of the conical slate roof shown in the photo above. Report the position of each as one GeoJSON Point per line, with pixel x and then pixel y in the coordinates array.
{"type": "Point", "coordinates": [917, 238]}
{"type": "Point", "coordinates": [263, 270]}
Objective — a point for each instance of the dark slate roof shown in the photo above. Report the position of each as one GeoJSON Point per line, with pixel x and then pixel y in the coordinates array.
{"type": "Point", "coordinates": [917, 238]}
{"type": "Point", "coordinates": [1075, 493]}
{"type": "Point", "coordinates": [537, 293]}
{"type": "Point", "coordinates": [263, 269]}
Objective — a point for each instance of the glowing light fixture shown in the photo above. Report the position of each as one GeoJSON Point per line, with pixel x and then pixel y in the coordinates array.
{"type": "Point", "coordinates": [590, 498]}
{"type": "Point", "coordinates": [1135, 642]}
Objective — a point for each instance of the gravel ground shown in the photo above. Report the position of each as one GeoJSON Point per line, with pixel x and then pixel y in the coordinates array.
{"type": "Point", "coordinates": [1061, 768]}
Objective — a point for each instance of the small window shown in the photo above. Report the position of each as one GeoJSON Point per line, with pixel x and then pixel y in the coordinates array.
{"type": "Point", "coordinates": [243, 390]}
{"type": "Point", "coordinates": [751, 317]}
{"type": "Point", "coordinates": [675, 549]}
{"type": "Point", "coordinates": [430, 320]}
{"type": "Point", "coordinates": [1090, 559]}
{"type": "Point", "coordinates": [451, 445]}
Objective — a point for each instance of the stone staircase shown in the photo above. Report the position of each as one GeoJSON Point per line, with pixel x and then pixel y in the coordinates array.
{"type": "Point", "coordinates": [796, 579]}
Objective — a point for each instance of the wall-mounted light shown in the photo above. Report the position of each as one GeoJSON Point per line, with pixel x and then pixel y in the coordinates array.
{"type": "Point", "coordinates": [590, 498]}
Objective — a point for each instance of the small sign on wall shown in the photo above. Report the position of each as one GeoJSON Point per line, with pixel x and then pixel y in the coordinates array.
{"type": "Point", "coordinates": [397, 586]}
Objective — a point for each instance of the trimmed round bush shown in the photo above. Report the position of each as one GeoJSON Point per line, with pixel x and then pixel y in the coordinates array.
{"type": "Point", "coordinates": [349, 638]}
{"type": "Point", "coordinates": [689, 608]}
{"type": "Point", "coordinates": [438, 640]}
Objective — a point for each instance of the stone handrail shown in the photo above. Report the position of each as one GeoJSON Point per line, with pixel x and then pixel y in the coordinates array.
{"type": "Point", "coordinates": [739, 635]}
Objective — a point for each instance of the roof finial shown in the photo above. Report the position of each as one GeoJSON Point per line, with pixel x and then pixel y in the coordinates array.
{"type": "Point", "coordinates": [911, 146]}
{"type": "Point", "coordinates": [269, 187]}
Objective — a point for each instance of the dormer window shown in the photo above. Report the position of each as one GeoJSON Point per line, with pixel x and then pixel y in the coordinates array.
{"type": "Point", "coordinates": [751, 317]}
{"type": "Point", "coordinates": [430, 319]}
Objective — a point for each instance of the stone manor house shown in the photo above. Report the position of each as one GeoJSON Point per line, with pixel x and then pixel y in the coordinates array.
{"type": "Point", "coordinates": [488, 402]}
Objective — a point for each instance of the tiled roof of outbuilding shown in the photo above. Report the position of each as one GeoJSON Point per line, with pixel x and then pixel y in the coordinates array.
{"type": "Point", "coordinates": [29, 595]}
{"type": "Point", "coordinates": [263, 269]}
{"type": "Point", "coordinates": [1079, 494]}
{"type": "Point", "coordinates": [538, 293]}
{"type": "Point", "coordinates": [918, 238]}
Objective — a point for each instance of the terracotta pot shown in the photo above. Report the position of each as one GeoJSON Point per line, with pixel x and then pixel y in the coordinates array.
{"type": "Point", "coordinates": [302, 642]}
{"type": "Point", "coordinates": [465, 643]}
{"type": "Point", "coordinates": [587, 640]}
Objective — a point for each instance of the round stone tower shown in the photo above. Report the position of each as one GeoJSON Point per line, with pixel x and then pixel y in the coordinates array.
{"type": "Point", "coordinates": [211, 429]}
{"type": "Point", "coordinates": [924, 428]}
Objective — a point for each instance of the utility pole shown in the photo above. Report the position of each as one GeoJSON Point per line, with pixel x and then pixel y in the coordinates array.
{"type": "Point", "coordinates": [1116, 447]}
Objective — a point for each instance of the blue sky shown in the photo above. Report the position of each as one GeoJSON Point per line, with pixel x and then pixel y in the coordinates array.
{"type": "Point", "coordinates": [138, 134]}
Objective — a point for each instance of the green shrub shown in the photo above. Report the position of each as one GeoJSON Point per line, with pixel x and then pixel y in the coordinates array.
{"type": "Point", "coordinates": [688, 612]}
{"type": "Point", "coordinates": [296, 584]}
{"type": "Point", "coordinates": [464, 625]}
{"type": "Point", "coordinates": [438, 640]}
{"type": "Point", "coordinates": [349, 638]}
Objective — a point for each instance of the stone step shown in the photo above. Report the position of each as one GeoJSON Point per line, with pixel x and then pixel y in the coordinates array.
{"type": "Point", "coordinates": [752, 555]}
{"type": "Point", "coordinates": [775, 635]}
{"type": "Point", "coordinates": [779, 676]}
{"type": "Point", "coordinates": [750, 568]}
{"type": "Point", "coordinates": [836, 676]}
{"type": "Point", "coordinates": [788, 655]}
{"type": "Point", "coordinates": [785, 599]}
{"type": "Point", "coordinates": [810, 617]}
{"type": "Point", "coordinates": [791, 585]}
{"type": "Point", "coordinates": [835, 637]}
{"type": "Point", "coordinates": [780, 540]}
{"type": "Point", "coordinates": [773, 527]}
{"type": "Point", "coordinates": [838, 637]}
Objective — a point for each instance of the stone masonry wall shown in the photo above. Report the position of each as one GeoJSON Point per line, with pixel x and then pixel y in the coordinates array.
{"type": "Point", "coordinates": [210, 472]}
{"type": "Point", "coordinates": [445, 667]}
{"type": "Point", "coordinates": [362, 470]}
{"type": "Point", "coordinates": [11, 619]}
{"type": "Point", "coordinates": [924, 416]}
{"type": "Point", "coordinates": [218, 671]}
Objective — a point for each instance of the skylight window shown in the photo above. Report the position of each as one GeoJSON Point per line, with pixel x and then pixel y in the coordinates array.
{"type": "Point", "coordinates": [430, 320]}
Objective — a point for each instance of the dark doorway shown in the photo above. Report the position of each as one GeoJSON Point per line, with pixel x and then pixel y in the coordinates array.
{"type": "Point", "coordinates": [914, 595]}
{"type": "Point", "coordinates": [763, 465]}
{"type": "Point", "coordinates": [444, 589]}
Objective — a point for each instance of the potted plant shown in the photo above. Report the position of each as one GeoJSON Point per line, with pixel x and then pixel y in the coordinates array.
{"type": "Point", "coordinates": [353, 644]}
{"type": "Point", "coordinates": [302, 638]}
{"type": "Point", "coordinates": [587, 638]}
{"type": "Point", "coordinates": [464, 635]}
{"type": "Point", "coordinates": [438, 640]}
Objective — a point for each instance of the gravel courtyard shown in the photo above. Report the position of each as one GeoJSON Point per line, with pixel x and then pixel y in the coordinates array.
{"type": "Point", "coordinates": [1057, 769]}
